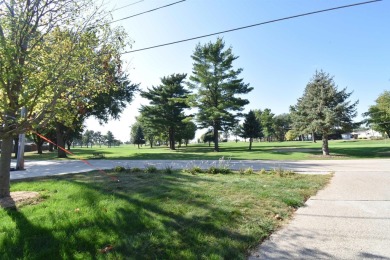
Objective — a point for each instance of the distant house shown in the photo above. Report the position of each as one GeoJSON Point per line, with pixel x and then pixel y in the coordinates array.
{"type": "Point", "coordinates": [364, 134]}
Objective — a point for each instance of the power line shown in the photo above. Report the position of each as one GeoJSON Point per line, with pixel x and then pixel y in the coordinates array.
{"type": "Point", "coordinates": [131, 16]}
{"type": "Point", "coordinates": [253, 25]}
{"type": "Point", "coordinates": [126, 6]}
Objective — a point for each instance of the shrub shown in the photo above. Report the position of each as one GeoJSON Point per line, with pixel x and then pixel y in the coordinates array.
{"type": "Point", "coordinates": [216, 170]}
{"type": "Point", "coordinates": [249, 170]}
{"type": "Point", "coordinates": [212, 170]}
{"type": "Point", "coordinates": [263, 171]}
{"type": "Point", "coordinates": [135, 170]}
{"type": "Point", "coordinates": [119, 169]}
{"type": "Point", "coordinates": [193, 170]}
{"type": "Point", "coordinates": [168, 170]}
{"type": "Point", "coordinates": [150, 169]}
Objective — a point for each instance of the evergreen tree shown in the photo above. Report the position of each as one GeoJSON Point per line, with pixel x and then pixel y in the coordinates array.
{"type": "Point", "coordinates": [217, 86]}
{"type": "Point", "coordinates": [139, 136]}
{"type": "Point", "coordinates": [379, 114]}
{"type": "Point", "coordinates": [267, 123]}
{"type": "Point", "coordinates": [167, 104]}
{"type": "Point", "coordinates": [323, 108]}
{"type": "Point", "coordinates": [251, 128]}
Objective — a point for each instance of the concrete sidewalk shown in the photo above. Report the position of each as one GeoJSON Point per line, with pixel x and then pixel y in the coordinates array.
{"type": "Point", "coordinates": [349, 219]}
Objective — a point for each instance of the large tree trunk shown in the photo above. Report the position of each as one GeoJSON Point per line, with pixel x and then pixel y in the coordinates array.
{"type": "Point", "coordinates": [51, 147]}
{"type": "Point", "coordinates": [60, 142]}
{"type": "Point", "coordinates": [172, 138]}
{"type": "Point", "coordinates": [5, 165]}
{"type": "Point", "coordinates": [325, 145]}
{"type": "Point", "coordinates": [313, 136]}
{"type": "Point", "coordinates": [16, 146]}
{"type": "Point", "coordinates": [250, 143]}
{"type": "Point", "coordinates": [39, 147]}
{"type": "Point", "coordinates": [216, 146]}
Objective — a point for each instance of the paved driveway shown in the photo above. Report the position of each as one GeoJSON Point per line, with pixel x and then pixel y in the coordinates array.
{"type": "Point", "coordinates": [349, 219]}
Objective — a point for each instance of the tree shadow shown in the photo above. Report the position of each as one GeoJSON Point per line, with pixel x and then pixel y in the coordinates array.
{"type": "Point", "coordinates": [27, 238]}
{"type": "Point", "coordinates": [142, 227]}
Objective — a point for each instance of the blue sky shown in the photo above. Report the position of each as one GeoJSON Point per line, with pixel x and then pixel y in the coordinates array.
{"type": "Point", "coordinates": [278, 59]}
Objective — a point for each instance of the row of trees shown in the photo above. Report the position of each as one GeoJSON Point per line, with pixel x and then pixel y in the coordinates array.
{"type": "Point", "coordinates": [90, 138]}
{"type": "Point", "coordinates": [214, 90]}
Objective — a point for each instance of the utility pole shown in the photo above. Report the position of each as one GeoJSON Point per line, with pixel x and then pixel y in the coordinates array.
{"type": "Point", "coordinates": [20, 156]}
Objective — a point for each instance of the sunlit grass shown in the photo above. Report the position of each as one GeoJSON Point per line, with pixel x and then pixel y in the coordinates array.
{"type": "Point", "coordinates": [150, 215]}
{"type": "Point", "coordinates": [260, 151]}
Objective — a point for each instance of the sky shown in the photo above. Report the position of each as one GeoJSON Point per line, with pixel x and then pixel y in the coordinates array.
{"type": "Point", "coordinates": [278, 59]}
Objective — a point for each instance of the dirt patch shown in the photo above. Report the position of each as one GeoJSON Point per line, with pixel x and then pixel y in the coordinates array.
{"type": "Point", "coordinates": [18, 198]}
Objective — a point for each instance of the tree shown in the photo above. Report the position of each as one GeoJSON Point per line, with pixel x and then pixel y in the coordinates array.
{"type": "Point", "coordinates": [98, 138]}
{"type": "Point", "coordinates": [217, 86]}
{"type": "Point", "coordinates": [88, 137]}
{"type": "Point", "coordinates": [109, 138]}
{"type": "Point", "coordinates": [324, 107]}
{"type": "Point", "coordinates": [281, 124]}
{"type": "Point", "coordinates": [291, 135]}
{"type": "Point", "coordinates": [208, 137]}
{"type": "Point", "coordinates": [251, 128]}
{"type": "Point", "coordinates": [46, 47]}
{"type": "Point", "coordinates": [187, 133]}
{"type": "Point", "coordinates": [379, 114]}
{"type": "Point", "coordinates": [267, 123]}
{"type": "Point", "coordinates": [139, 136]}
{"type": "Point", "coordinates": [237, 131]}
{"type": "Point", "coordinates": [167, 104]}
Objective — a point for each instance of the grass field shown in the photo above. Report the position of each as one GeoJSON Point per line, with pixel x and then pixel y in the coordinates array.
{"type": "Point", "coordinates": [150, 215]}
{"type": "Point", "coordinates": [260, 151]}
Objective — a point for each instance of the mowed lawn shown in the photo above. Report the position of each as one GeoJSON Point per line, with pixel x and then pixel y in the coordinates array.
{"type": "Point", "coordinates": [339, 149]}
{"type": "Point", "coordinates": [151, 215]}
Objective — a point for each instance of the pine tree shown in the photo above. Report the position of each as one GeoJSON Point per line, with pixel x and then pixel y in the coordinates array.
{"type": "Point", "coordinates": [167, 104]}
{"type": "Point", "coordinates": [323, 108]}
{"type": "Point", "coordinates": [139, 136]}
{"type": "Point", "coordinates": [251, 128]}
{"type": "Point", "coordinates": [217, 86]}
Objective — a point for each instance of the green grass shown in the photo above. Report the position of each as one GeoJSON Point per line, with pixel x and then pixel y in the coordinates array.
{"type": "Point", "coordinates": [150, 215]}
{"type": "Point", "coordinates": [355, 149]}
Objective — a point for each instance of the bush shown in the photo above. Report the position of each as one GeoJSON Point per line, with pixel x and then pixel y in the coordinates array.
{"type": "Point", "coordinates": [249, 170]}
{"type": "Point", "coordinates": [216, 170]}
{"type": "Point", "coordinates": [135, 170]}
{"type": "Point", "coordinates": [168, 170]}
{"type": "Point", "coordinates": [119, 169]}
{"type": "Point", "coordinates": [281, 172]}
{"type": "Point", "coordinates": [263, 171]}
{"type": "Point", "coordinates": [193, 170]}
{"type": "Point", "coordinates": [150, 169]}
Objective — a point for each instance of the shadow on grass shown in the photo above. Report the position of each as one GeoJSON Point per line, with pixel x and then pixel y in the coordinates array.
{"type": "Point", "coordinates": [31, 241]}
{"type": "Point", "coordinates": [138, 217]}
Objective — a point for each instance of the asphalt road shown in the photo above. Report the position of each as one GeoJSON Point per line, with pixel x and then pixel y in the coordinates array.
{"type": "Point", "coordinates": [349, 219]}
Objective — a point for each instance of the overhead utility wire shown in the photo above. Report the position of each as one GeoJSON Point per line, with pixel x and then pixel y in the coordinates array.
{"type": "Point", "coordinates": [116, 9]}
{"type": "Point", "coordinates": [131, 16]}
{"type": "Point", "coordinates": [253, 25]}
